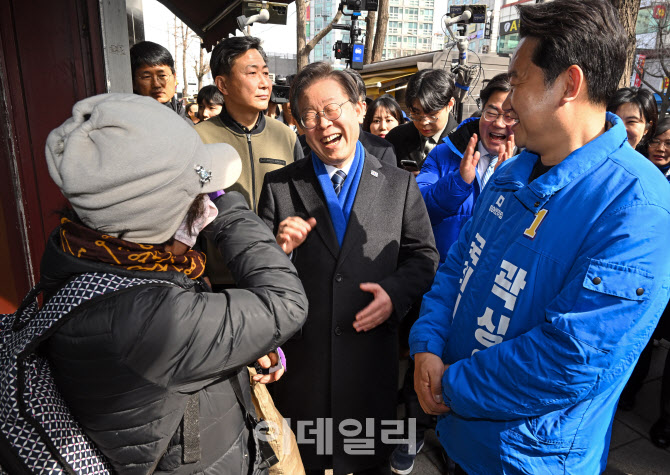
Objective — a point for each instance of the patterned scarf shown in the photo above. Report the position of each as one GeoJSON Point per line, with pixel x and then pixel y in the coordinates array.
{"type": "Point", "coordinates": [85, 243]}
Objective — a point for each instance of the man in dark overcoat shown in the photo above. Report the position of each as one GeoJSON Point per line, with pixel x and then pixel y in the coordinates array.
{"type": "Point", "coordinates": [358, 232]}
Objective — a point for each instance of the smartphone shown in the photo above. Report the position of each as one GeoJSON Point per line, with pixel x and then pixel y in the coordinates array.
{"type": "Point", "coordinates": [410, 165]}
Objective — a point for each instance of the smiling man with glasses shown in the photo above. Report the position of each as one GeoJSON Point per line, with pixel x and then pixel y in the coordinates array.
{"type": "Point", "coordinates": [449, 183]}
{"type": "Point", "coordinates": [359, 235]}
{"type": "Point", "coordinates": [152, 68]}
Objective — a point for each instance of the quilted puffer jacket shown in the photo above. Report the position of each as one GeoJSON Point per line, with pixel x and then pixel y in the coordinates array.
{"type": "Point", "coordinates": [128, 363]}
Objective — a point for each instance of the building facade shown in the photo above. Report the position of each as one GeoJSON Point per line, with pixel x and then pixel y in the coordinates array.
{"type": "Point", "coordinates": [319, 14]}
{"type": "Point", "coordinates": [410, 28]}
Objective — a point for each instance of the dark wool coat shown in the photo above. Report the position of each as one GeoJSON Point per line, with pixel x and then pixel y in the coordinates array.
{"type": "Point", "coordinates": [333, 371]}
{"type": "Point", "coordinates": [408, 141]}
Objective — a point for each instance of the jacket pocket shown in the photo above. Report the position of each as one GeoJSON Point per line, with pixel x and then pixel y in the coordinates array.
{"type": "Point", "coordinates": [273, 161]}
{"type": "Point", "coordinates": [618, 280]}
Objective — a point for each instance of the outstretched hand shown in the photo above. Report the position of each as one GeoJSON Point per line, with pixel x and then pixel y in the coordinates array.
{"type": "Point", "coordinates": [293, 231]}
{"type": "Point", "coordinates": [468, 167]}
{"type": "Point", "coordinates": [377, 311]}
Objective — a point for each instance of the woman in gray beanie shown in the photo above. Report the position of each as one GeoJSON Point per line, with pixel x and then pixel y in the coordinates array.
{"type": "Point", "coordinates": [132, 363]}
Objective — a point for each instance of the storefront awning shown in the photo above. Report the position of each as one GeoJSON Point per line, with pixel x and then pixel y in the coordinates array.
{"type": "Point", "coordinates": [211, 20]}
{"type": "Point", "coordinates": [378, 82]}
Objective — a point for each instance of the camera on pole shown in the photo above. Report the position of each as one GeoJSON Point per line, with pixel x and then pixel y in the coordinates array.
{"type": "Point", "coordinates": [354, 50]}
{"type": "Point", "coordinates": [461, 16]}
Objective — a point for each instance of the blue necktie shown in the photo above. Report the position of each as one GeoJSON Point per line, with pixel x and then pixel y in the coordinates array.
{"type": "Point", "coordinates": [338, 180]}
{"type": "Point", "coordinates": [489, 171]}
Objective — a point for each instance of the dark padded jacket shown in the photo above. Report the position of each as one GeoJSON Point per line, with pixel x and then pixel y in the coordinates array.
{"type": "Point", "coordinates": [128, 363]}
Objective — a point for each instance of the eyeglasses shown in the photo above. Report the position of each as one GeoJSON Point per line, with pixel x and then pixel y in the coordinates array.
{"type": "Point", "coordinates": [431, 119]}
{"type": "Point", "coordinates": [149, 78]}
{"type": "Point", "coordinates": [657, 143]}
{"type": "Point", "coordinates": [508, 117]}
{"type": "Point", "coordinates": [331, 112]}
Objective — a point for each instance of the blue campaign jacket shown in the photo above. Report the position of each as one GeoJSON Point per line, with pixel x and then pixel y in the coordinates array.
{"type": "Point", "coordinates": [544, 305]}
{"type": "Point", "coordinates": [449, 199]}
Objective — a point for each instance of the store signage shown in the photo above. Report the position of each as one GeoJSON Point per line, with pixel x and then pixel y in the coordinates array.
{"type": "Point", "coordinates": [509, 27]}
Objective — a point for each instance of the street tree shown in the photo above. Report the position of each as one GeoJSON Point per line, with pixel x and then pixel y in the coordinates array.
{"type": "Point", "coordinates": [304, 47]}
{"type": "Point", "coordinates": [656, 70]}
{"type": "Point", "coordinates": [370, 22]}
{"type": "Point", "coordinates": [186, 36]}
{"type": "Point", "coordinates": [376, 22]}
{"type": "Point", "coordinates": [628, 10]}
{"type": "Point", "coordinates": [201, 67]}
{"type": "Point", "coordinates": [380, 30]}
{"type": "Point", "coordinates": [375, 32]}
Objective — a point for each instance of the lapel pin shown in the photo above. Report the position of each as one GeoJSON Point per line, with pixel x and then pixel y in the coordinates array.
{"type": "Point", "coordinates": [374, 173]}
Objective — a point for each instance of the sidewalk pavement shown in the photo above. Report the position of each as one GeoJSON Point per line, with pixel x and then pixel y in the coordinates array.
{"type": "Point", "coordinates": [631, 452]}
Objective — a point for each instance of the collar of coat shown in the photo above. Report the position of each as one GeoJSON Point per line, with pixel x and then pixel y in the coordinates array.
{"type": "Point", "coordinates": [238, 128]}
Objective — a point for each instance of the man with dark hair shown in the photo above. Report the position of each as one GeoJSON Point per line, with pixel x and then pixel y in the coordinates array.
{"type": "Point", "coordinates": [192, 112]}
{"type": "Point", "coordinates": [210, 102]}
{"type": "Point", "coordinates": [450, 183]}
{"type": "Point", "coordinates": [152, 68]}
{"type": "Point", "coordinates": [543, 305]}
{"type": "Point", "coordinates": [429, 98]}
{"type": "Point", "coordinates": [377, 146]}
{"type": "Point", "coordinates": [240, 72]}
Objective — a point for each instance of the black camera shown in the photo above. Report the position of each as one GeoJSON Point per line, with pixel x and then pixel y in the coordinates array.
{"type": "Point", "coordinates": [353, 53]}
{"type": "Point", "coordinates": [478, 13]}
{"type": "Point", "coordinates": [363, 5]}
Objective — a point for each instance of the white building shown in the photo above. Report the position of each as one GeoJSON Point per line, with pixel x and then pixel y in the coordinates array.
{"type": "Point", "coordinates": [410, 28]}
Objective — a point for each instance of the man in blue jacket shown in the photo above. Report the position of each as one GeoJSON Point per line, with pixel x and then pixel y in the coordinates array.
{"type": "Point", "coordinates": [451, 184]}
{"type": "Point", "coordinates": [542, 307]}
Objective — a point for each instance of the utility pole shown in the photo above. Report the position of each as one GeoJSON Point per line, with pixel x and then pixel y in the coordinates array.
{"type": "Point", "coordinates": [495, 26]}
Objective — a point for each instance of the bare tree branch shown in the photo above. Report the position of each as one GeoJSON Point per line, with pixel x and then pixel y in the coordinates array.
{"type": "Point", "coordinates": [201, 67]}
{"type": "Point", "coordinates": [304, 48]}
{"type": "Point", "coordinates": [185, 43]}
{"type": "Point", "coordinates": [319, 36]}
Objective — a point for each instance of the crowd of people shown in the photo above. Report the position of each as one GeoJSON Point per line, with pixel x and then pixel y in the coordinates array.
{"type": "Point", "coordinates": [517, 258]}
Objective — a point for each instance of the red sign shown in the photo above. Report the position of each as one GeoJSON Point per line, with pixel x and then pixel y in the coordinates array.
{"type": "Point", "coordinates": [659, 12]}
{"type": "Point", "coordinates": [640, 59]}
{"type": "Point", "coordinates": [666, 83]}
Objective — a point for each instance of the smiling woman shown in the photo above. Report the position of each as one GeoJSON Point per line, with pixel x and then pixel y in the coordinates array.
{"type": "Point", "coordinates": [637, 108]}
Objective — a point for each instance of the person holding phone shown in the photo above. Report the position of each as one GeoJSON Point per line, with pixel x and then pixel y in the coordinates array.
{"type": "Point", "coordinates": [429, 98]}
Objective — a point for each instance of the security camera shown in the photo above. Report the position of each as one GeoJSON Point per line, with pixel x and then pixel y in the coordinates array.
{"type": "Point", "coordinates": [261, 17]}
